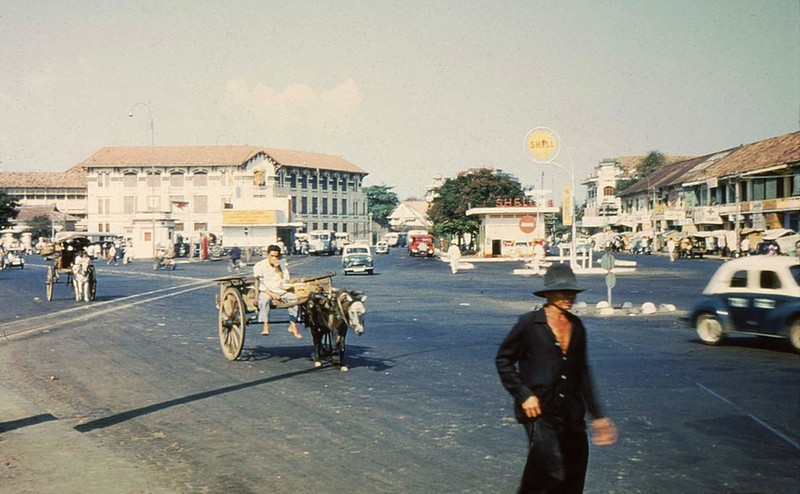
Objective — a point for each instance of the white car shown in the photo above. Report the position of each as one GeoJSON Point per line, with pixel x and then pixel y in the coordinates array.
{"type": "Point", "coordinates": [758, 295]}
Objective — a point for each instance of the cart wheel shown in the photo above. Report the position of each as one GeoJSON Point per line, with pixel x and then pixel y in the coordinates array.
{"type": "Point", "coordinates": [49, 282]}
{"type": "Point", "coordinates": [231, 323]}
{"type": "Point", "coordinates": [92, 283]}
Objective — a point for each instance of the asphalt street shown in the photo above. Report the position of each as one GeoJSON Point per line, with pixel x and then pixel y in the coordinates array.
{"type": "Point", "coordinates": [131, 393]}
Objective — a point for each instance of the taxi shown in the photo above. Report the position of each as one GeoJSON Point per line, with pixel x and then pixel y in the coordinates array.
{"type": "Point", "coordinates": [757, 295]}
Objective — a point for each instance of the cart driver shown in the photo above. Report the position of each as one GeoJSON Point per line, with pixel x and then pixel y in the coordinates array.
{"type": "Point", "coordinates": [273, 274]}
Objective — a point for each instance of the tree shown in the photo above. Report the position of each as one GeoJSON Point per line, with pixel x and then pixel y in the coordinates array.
{"type": "Point", "coordinates": [472, 189]}
{"type": "Point", "coordinates": [652, 162]}
{"type": "Point", "coordinates": [40, 226]}
{"type": "Point", "coordinates": [9, 209]}
{"type": "Point", "coordinates": [381, 201]}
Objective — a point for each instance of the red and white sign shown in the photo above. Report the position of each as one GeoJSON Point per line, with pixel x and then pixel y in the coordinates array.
{"type": "Point", "coordinates": [527, 224]}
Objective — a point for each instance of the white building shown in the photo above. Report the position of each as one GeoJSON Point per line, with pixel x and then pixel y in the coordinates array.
{"type": "Point", "coordinates": [509, 229]}
{"type": "Point", "coordinates": [410, 215]}
{"type": "Point", "coordinates": [251, 196]}
{"type": "Point", "coordinates": [64, 192]}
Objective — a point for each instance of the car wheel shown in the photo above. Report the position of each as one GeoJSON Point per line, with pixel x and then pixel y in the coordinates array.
{"type": "Point", "coordinates": [794, 334]}
{"type": "Point", "coordinates": [709, 329]}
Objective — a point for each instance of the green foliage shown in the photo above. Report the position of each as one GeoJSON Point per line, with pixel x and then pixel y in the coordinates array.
{"type": "Point", "coordinates": [652, 162]}
{"type": "Point", "coordinates": [625, 183]}
{"type": "Point", "coordinates": [473, 189]}
{"type": "Point", "coordinates": [381, 201]}
{"type": "Point", "coordinates": [40, 226]}
{"type": "Point", "coordinates": [9, 209]}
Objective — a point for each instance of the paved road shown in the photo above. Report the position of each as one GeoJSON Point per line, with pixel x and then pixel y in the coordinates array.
{"type": "Point", "coordinates": [132, 394]}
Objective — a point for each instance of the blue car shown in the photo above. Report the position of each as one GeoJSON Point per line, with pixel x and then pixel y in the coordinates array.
{"type": "Point", "coordinates": [757, 295]}
{"type": "Point", "coordinates": [357, 258]}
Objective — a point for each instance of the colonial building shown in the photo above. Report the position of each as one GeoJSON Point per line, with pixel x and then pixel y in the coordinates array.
{"type": "Point", "coordinates": [754, 186]}
{"type": "Point", "coordinates": [251, 196]}
{"type": "Point", "coordinates": [62, 192]}
{"type": "Point", "coordinates": [509, 228]}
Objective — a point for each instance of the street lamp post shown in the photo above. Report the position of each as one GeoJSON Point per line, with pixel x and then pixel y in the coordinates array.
{"type": "Point", "coordinates": [152, 172]}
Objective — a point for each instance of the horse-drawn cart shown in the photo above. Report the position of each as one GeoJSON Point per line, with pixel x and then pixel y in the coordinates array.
{"type": "Point", "coordinates": [325, 310]}
{"type": "Point", "coordinates": [63, 253]}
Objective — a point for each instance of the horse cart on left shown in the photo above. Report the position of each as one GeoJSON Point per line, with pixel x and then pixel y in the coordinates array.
{"type": "Point", "coordinates": [326, 311]}
{"type": "Point", "coordinates": [80, 275]}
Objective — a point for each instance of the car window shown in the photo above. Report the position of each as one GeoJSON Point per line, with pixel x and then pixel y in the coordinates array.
{"type": "Point", "coordinates": [357, 251]}
{"type": "Point", "coordinates": [795, 271]}
{"type": "Point", "coordinates": [739, 279]}
{"type": "Point", "coordinates": [769, 280]}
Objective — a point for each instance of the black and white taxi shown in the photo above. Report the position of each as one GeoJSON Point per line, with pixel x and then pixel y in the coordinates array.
{"type": "Point", "coordinates": [758, 295]}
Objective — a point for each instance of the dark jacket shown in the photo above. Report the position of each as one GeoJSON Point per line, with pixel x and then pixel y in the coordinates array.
{"type": "Point", "coordinates": [530, 362]}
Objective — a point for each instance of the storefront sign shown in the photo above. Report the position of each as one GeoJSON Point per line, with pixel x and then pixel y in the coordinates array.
{"type": "Point", "coordinates": [249, 217]}
{"type": "Point", "coordinates": [513, 203]}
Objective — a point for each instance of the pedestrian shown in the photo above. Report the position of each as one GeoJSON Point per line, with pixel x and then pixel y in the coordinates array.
{"type": "Point", "coordinates": [538, 256]}
{"type": "Point", "coordinates": [744, 247]}
{"type": "Point", "coordinates": [543, 364]}
{"type": "Point", "coordinates": [454, 255]}
{"type": "Point", "coordinates": [272, 275]}
{"type": "Point", "coordinates": [236, 259]}
{"type": "Point", "coordinates": [671, 249]}
{"type": "Point", "coordinates": [111, 255]}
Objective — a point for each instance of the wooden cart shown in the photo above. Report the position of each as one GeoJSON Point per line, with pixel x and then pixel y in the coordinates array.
{"type": "Point", "coordinates": [237, 303]}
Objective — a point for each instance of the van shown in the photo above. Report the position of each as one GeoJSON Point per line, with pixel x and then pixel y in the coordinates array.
{"type": "Point", "coordinates": [321, 242]}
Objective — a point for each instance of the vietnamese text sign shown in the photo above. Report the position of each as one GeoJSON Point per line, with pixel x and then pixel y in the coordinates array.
{"type": "Point", "coordinates": [566, 205]}
{"type": "Point", "coordinates": [249, 217]}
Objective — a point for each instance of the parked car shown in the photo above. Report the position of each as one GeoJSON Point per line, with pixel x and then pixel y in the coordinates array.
{"type": "Point", "coordinates": [14, 259]}
{"type": "Point", "coordinates": [357, 258]}
{"type": "Point", "coordinates": [382, 247]}
{"type": "Point", "coordinates": [763, 248]}
{"type": "Point", "coordinates": [751, 295]}
{"type": "Point", "coordinates": [421, 245]}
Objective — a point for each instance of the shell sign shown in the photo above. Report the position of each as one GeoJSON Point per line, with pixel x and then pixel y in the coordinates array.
{"type": "Point", "coordinates": [527, 224]}
{"type": "Point", "coordinates": [542, 144]}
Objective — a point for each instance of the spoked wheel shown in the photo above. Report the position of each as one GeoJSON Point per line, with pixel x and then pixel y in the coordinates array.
{"type": "Point", "coordinates": [49, 282]}
{"type": "Point", "coordinates": [92, 283]}
{"type": "Point", "coordinates": [231, 323]}
{"type": "Point", "coordinates": [709, 329]}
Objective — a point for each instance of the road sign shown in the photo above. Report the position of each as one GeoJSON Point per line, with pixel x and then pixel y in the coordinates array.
{"type": "Point", "coordinates": [611, 280]}
{"type": "Point", "coordinates": [607, 262]}
{"type": "Point", "coordinates": [527, 224]}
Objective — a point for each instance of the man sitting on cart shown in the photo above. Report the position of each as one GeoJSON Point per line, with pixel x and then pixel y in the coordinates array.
{"type": "Point", "coordinates": [273, 274]}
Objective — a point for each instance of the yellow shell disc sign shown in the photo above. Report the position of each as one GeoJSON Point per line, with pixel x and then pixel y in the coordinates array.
{"type": "Point", "coordinates": [542, 144]}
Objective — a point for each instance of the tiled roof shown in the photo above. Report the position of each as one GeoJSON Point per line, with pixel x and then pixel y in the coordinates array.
{"type": "Point", "coordinates": [74, 178]}
{"type": "Point", "coordinates": [675, 173]}
{"type": "Point", "coordinates": [630, 164]}
{"type": "Point", "coordinates": [761, 155]}
{"type": "Point", "coordinates": [212, 155]}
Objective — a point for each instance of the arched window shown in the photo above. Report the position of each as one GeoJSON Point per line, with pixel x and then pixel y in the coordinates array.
{"type": "Point", "coordinates": [608, 191]}
{"type": "Point", "coordinates": [200, 179]}
{"type": "Point", "coordinates": [176, 179]}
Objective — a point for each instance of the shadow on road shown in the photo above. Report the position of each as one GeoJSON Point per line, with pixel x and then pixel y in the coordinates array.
{"type": "Point", "coordinates": [138, 412]}
{"type": "Point", "coordinates": [20, 423]}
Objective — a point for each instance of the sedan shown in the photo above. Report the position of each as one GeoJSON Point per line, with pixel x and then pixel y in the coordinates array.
{"type": "Point", "coordinates": [357, 258]}
{"type": "Point", "coordinates": [751, 295]}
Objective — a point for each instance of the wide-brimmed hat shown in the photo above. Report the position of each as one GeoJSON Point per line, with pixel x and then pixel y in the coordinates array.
{"type": "Point", "coordinates": [559, 277]}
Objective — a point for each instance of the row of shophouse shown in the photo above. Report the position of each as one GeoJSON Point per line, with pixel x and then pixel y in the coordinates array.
{"type": "Point", "coordinates": [151, 196]}
{"type": "Point", "coordinates": [723, 195]}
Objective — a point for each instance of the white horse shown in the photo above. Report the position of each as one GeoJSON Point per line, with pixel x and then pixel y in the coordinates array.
{"type": "Point", "coordinates": [80, 278]}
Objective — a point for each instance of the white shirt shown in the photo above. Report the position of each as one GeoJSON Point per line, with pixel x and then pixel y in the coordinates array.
{"type": "Point", "coordinates": [271, 279]}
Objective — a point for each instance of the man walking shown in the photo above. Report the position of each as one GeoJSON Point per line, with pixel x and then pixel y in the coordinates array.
{"type": "Point", "coordinates": [543, 364]}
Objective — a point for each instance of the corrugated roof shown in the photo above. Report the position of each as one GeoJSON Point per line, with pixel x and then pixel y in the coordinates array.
{"type": "Point", "coordinates": [212, 155]}
{"type": "Point", "coordinates": [74, 178]}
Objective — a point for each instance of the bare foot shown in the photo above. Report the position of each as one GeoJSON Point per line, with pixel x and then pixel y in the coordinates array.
{"type": "Point", "coordinates": [265, 331]}
{"type": "Point", "coordinates": [293, 329]}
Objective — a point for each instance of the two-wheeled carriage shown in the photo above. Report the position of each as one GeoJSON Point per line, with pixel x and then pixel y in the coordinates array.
{"type": "Point", "coordinates": [62, 254]}
{"type": "Point", "coordinates": [326, 311]}
{"type": "Point", "coordinates": [237, 302]}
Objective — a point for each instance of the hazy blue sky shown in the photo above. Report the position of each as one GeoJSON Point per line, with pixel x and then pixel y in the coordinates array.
{"type": "Point", "coordinates": [405, 89]}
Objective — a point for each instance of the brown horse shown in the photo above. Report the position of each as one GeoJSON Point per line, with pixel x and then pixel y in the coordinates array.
{"type": "Point", "coordinates": [328, 315]}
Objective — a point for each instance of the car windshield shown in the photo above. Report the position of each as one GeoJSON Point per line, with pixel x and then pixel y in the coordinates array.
{"type": "Point", "coordinates": [358, 250]}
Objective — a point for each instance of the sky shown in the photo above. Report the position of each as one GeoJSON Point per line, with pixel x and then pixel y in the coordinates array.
{"type": "Point", "coordinates": [405, 90]}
